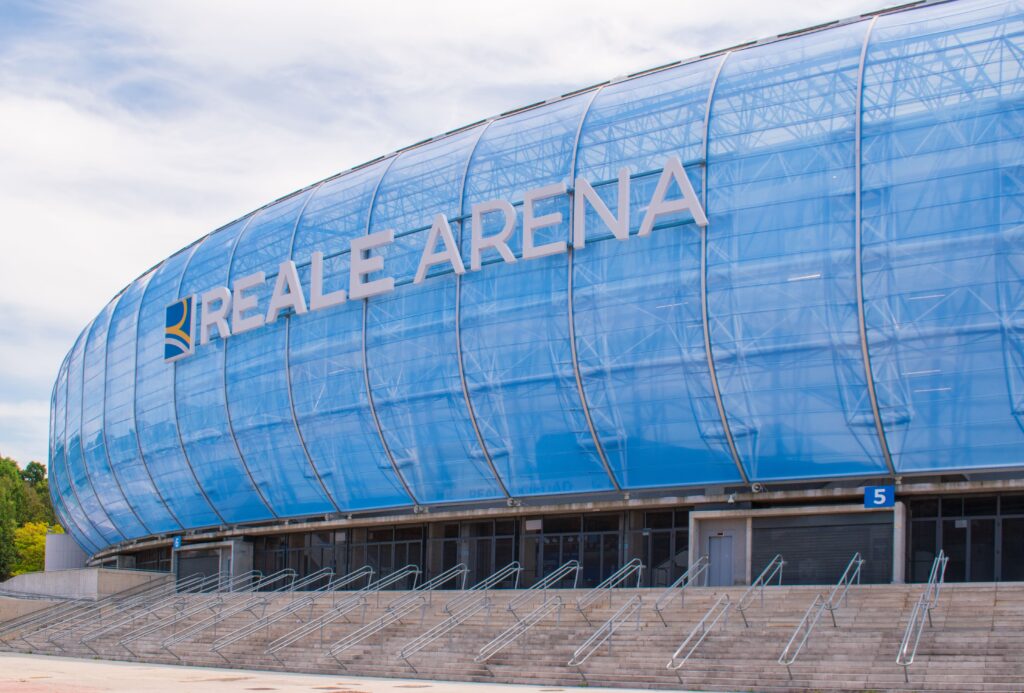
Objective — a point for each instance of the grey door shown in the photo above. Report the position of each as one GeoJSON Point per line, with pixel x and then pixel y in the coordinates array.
{"type": "Point", "coordinates": [198, 562]}
{"type": "Point", "coordinates": [720, 560]}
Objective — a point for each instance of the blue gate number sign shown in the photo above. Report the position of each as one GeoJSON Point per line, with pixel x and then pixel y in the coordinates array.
{"type": "Point", "coordinates": [879, 496]}
{"type": "Point", "coordinates": [177, 539]}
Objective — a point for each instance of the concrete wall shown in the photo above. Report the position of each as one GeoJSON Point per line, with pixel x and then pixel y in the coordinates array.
{"type": "Point", "coordinates": [62, 553]}
{"type": "Point", "coordinates": [737, 528]}
{"type": "Point", "coordinates": [84, 583]}
{"type": "Point", "coordinates": [11, 608]}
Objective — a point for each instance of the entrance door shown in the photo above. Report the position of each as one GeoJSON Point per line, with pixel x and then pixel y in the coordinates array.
{"type": "Point", "coordinates": [982, 566]}
{"type": "Point", "coordinates": [720, 560]}
{"type": "Point", "coordinates": [971, 547]}
{"type": "Point", "coordinates": [1013, 549]}
{"type": "Point", "coordinates": [198, 562]}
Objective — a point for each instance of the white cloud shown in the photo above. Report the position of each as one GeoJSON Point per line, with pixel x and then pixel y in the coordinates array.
{"type": "Point", "coordinates": [130, 129]}
{"type": "Point", "coordinates": [26, 430]}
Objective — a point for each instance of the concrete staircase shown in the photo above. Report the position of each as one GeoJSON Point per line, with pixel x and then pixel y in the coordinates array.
{"type": "Point", "coordinates": [976, 644]}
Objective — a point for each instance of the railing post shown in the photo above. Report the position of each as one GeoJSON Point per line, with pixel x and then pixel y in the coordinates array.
{"type": "Point", "coordinates": [915, 625]}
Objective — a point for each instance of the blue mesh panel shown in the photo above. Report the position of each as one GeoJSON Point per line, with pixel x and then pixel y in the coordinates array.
{"type": "Point", "coordinates": [154, 402]}
{"type": "Point", "coordinates": [941, 217]}
{"type": "Point", "coordinates": [257, 384]}
{"type": "Point", "coordinates": [78, 473]}
{"type": "Point", "coordinates": [119, 416]}
{"type": "Point", "coordinates": [781, 285]}
{"type": "Point", "coordinates": [515, 317]}
{"type": "Point", "coordinates": [943, 214]}
{"type": "Point", "coordinates": [410, 334]}
{"type": "Point", "coordinates": [200, 396]}
{"type": "Point", "coordinates": [94, 446]}
{"type": "Point", "coordinates": [325, 355]}
{"type": "Point", "coordinates": [65, 504]}
{"type": "Point", "coordinates": [637, 303]}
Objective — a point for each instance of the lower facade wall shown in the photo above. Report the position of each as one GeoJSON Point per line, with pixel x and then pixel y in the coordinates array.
{"type": "Point", "coordinates": [815, 538]}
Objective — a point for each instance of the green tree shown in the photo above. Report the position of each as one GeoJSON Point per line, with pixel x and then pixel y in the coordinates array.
{"type": "Point", "coordinates": [34, 474]}
{"type": "Point", "coordinates": [12, 490]}
{"type": "Point", "coordinates": [24, 498]}
{"type": "Point", "coordinates": [30, 548]}
{"type": "Point", "coordinates": [39, 508]}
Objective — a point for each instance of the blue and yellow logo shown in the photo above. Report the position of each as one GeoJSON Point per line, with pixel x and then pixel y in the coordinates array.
{"type": "Point", "coordinates": [179, 329]}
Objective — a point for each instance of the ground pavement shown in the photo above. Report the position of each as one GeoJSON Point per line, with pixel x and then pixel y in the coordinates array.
{"type": "Point", "coordinates": [43, 674]}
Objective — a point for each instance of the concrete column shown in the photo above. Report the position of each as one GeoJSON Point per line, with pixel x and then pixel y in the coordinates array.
{"type": "Point", "coordinates": [241, 557]}
{"type": "Point", "coordinates": [62, 553]}
{"type": "Point", "coordinates": [750, 550]}
{"type": "Point", "coordinates": [694, 540]}
{"type": "Point", "coordinates": [899, 542]}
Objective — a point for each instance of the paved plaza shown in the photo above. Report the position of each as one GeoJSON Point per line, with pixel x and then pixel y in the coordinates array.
{"type": "Point", "coordinates": [41, 674]}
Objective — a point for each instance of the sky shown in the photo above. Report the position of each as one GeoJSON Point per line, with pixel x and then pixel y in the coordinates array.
{"type": "Point", "coordinates": [129, 129]}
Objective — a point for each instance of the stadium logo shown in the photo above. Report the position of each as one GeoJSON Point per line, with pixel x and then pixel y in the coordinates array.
{"type": "Point", "coordinates": [179, 328]}
{"type": "Point", "coordinates": [245, 306]}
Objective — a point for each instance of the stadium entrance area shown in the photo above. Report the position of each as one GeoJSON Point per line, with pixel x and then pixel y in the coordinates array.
{"type": "Point", "coordinates": [601, 542]}
{"type": "Point", "coordinates": [982, 533]}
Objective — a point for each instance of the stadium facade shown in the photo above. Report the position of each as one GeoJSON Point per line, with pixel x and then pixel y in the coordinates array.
{"type": "Point", "coordinates": [693, 311]}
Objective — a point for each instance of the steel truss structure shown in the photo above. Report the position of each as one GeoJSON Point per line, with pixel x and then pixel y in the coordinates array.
{"type": "Point", "coordinates": [853, 308]}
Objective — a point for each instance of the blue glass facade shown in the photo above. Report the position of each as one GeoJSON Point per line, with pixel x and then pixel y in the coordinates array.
{"type": "Point", "coordinates": [852, 308]}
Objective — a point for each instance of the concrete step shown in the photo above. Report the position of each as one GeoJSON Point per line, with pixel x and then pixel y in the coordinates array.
{"type": "Point", "coordinates": [975, 643]}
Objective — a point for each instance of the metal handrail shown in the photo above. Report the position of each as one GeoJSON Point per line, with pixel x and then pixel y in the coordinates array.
{"type": "Point", "coordinates": [606, 630]}
{"type": "Point", "coordinates": [634, 567]}
{"type": "Point", "coordinates": [721, 606]}
{"type": "Point", "coordinates": [198, 584]}
{"type": "Point", "coordinates": [337, 585]}
{"type": "Point", "coordinates": [922, 612]}
{"type": "Point", "coordinates": [512, 570]}
{"type": "Point", "coordinates": [818, 606]}
{"type": "Point", "coordinates": [669, 563]}
{"type": "Point", "coordinates": [519, 628]}
{"type": "Point", "coordinates": [70, 622]}
{"type": "Point", "coordinates": [258, 598]}
{"type": "Point", "coordinates": [48, 615]}
{"type": "Point", "coordinates": [773, 568]}
{"type": "Point", "coordinates": [172, 594]}
{"type": "Point", "coordinates": [224, 586]}
{"type": "Point", "coordinates": [400, 608]}
{"type": "Point", "coordinates": [64, 609]}
{"type": "Point", "coordinates": [846, 580]}
{"type": "Point", "coordinates": [935, 579]}
{"type": "Point", "coordinates": [292, 607]}
{"type": "Point", "coordinates": [461, 609]}
{"type": "Point", "coordinates": [354, 601]}
{"type": "Point", "coordinates": [806, 626]}
{"type": "Point", "coordinates": [300, 584]}
{"type": "Point", "coordinates": [237, 583]}
{"type": "Point", "coordinates": [692, 574]}
{"type": "Point", "coordinates": [214, 601]}
{"type": "Point", "coordinates": [458, 571]}
{"type": "Point", "coordinates": [272, 579]}
{"type": "Point", "coordinates": [72, 613]}
{"type": "Point", "coordinates": [392, 616]}
{"type": "Point", "coordinates": [454, 620]}
{"type": "Point", "coordinates": [546, 583]}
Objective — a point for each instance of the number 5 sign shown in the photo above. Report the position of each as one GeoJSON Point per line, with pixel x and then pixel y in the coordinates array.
{"type": "Point", "coordinates": [879, 496]}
